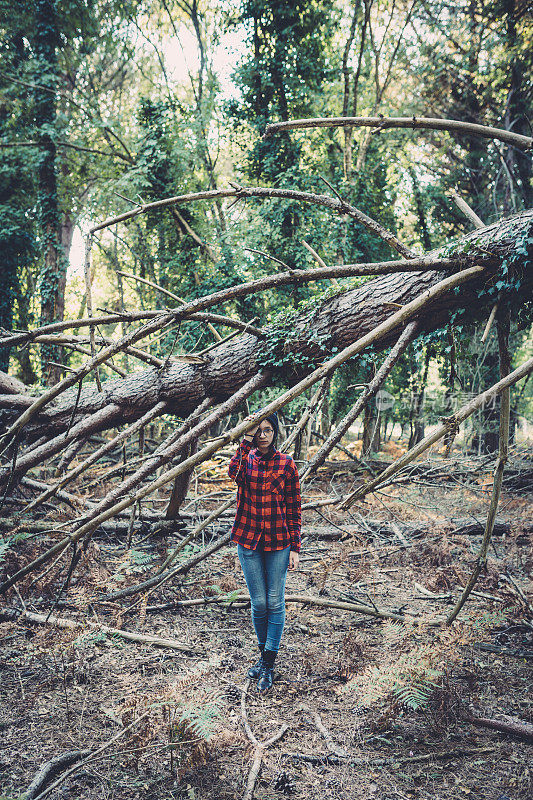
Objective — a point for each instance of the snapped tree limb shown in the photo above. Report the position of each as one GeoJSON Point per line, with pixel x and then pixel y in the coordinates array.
{"type": "Point", "coordinates": [428, 123]}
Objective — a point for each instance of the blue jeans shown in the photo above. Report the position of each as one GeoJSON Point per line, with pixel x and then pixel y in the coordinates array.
{"type": "Point", "coordinates": [265, 573]}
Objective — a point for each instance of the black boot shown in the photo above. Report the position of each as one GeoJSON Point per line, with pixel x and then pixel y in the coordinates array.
{"type": "Point", "coordinates": [266, 676]}
{"type": "Point", "coordinates": [254, 671]}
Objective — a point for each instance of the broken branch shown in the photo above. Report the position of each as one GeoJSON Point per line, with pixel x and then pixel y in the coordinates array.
{"type": "Point", "coordinates": [429, 123]}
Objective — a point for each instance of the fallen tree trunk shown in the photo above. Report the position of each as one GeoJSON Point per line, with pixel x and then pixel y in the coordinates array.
{"type": "Point", "coordinates": [514, 727]}
{"type": "Point", "coordinates": [338, 322]}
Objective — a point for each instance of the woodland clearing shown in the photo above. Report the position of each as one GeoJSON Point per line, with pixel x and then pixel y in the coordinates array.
{"type": "Point", "coordinates": [394, 698]}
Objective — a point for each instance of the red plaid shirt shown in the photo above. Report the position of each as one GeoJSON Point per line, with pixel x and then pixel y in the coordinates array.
{"type": "Point", "coordinates": [268, 499]}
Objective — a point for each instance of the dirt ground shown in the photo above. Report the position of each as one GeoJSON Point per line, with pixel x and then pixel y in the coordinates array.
{"type": "Point", "coordinates": [393, 699]}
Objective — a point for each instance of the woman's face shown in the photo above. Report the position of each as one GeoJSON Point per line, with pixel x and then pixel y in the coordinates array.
{"type": "Point", "coordinates": [264, 436]}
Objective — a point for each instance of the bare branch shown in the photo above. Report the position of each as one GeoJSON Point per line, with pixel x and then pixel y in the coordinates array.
{"type": "Point", "coordinates": [422, 264]}
{"type": "Point", "coordinates": [382, 123]}
{"type": "Point", "coordinates": [156, 411]}
{"type": "Point", "coordinates": [281, 194]}
{"type": "Point", "coordinates": [371, 390]}
{"type": "Point", "coordinates": [167, 294]}
{"type": "Point", "coordinates": [465, 208]}
{"type": "Point", "coordinates": [505, 408]}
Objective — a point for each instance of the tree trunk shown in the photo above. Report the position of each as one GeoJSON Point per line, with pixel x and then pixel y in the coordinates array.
{"type": "Point", "coordinates": [22, 354]}
{"type": "Point", "coordinates": [53, 270]}
{"type": "Point", "coordinates": [417, 409]}
{"type": "Point", "coordinates": [517, 115]}
{"type": "Point", "coordinates": [486, 436]}
{"type": "Point", "coordinates": [325, 420]}
{"type": "Point", "coordinates": [338, 322]}
{"type": "Point", "coordinates": [181, 485]}
{"type": "Point", "coordinates": [371, 430]}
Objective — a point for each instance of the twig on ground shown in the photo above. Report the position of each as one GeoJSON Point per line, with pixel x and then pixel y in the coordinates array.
{"type": "Point", "coordinates": [379, 762]}
{"type": "Point", "coordinates": [315, 716]}
{"type": "Point", "coordinates": [260, 747]}
{"type": "Point", "coordinates": [91, 756]}
{"type": "Point", "coordinates": [141, 638]}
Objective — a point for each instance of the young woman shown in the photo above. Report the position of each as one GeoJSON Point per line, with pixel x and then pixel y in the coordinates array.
{"type": "Point", "coordinates": [267, 531]}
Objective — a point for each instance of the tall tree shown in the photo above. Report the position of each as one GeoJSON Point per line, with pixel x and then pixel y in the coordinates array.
{"type": "Point", "coordinates": [45, 39]}
{"type": "Point", "coordinates": [17, 186]}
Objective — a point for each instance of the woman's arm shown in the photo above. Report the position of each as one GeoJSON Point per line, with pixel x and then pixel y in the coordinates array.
{"type": "Point", "coordinates": [237, 465]}
{"type": "Point", "coordinates": [293, 507]}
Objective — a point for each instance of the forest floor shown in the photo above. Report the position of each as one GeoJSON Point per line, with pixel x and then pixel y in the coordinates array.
{"type": "Point", "coordinates": [394, 698]}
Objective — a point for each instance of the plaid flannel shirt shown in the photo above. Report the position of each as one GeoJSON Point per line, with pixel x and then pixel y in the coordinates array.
{"type": "Point", "coordinates": [268, 499]}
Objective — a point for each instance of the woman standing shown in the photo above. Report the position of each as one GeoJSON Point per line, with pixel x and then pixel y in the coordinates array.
{"type": "Point", "coordinates": [267, 531]}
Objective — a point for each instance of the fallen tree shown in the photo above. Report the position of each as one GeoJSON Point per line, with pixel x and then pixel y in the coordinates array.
{"type": "Point", "coordinates": [334, 324]}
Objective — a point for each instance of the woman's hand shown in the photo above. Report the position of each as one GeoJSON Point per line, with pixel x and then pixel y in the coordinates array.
{"type": "Point", "coordinates": [294, 560]}
{"type": "Point", "coordinates": [252, 431]}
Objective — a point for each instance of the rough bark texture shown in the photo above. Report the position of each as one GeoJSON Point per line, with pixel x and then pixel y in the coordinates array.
{"type": "Point", "coordinates": [339, 321]}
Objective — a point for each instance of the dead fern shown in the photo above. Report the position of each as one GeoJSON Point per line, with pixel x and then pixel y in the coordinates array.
{"type": "Point", "coordinates": [416, 663]}
{"type": "Point", "coordinates": [183, 719]}
{"type": "Point", "coordinates": [327, 566]}
{"type": "Point", "coordinates": [191, 730]}
{"type": "Point", "coordinates": [351, 657]}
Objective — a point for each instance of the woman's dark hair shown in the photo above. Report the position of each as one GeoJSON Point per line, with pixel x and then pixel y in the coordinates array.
{"type": "Point", "coordinates": [273, 419]}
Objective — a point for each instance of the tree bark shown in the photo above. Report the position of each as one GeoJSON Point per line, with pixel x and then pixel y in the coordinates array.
{"type": "Point", "coordinates": [53, 270]}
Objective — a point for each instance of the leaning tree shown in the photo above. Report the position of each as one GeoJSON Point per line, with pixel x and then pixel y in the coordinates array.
{"type": "Point", "coordinates": [488, 269]}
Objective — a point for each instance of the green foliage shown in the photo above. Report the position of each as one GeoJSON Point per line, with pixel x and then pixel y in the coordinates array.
{"type": "Point", "coordinates": [414, 666]}
{"type": "Point", "coordinates": [133, 562]}
{"type": "Point", "coordinates": [90, 638]}
{"type": "Point", "coordinates": [409, 681]}
{"type": "Point", "coordinates": [7, 543]}
{"type": "Point", "coordinates": [513, 279]}
{"type": "Point", "coordinates": [4, 547]}
{"type": "Point", "coordinates": [416, 694]}
{"type": "Point", "coordinates": [96, 77]}
{"type": "Point", "coordinates": [197, 720]}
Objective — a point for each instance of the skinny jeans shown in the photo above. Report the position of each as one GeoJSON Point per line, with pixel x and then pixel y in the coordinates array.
{"type": "Point", "coordinates": [265, 573]}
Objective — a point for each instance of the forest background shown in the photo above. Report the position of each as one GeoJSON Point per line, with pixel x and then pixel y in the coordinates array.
{"type": "Point", "coordinates": [107, 104]}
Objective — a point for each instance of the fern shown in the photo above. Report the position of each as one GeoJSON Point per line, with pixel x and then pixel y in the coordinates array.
{"type": "Point", "coordinates": [197, 721]}
{"type": "Point", "coordinates": [393, 632]}
{"type": "Point", "coordinates": [410, 672]}
{"type": "Point", "coordinates": [4, 547]}
{"type": "Point", "coordinates": [230, 598]}
{"type": "Point", "coordinates": [21, 536]}
{"type": "Point", "coordinates": [90, 638]}
{"type": "Point", "coordinates": [415, 695]}
{"type": "Point", "coordinates": [410, 680]}
{"type": "Point", "coordinates": [139, 560]}
{"type": "Point", "coordinates": [132, 561]}
{"type": "Point", "coordinates": [16, 538]}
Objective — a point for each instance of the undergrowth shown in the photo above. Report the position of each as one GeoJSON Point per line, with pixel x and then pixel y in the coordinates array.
{"type": "Point", "coordinates": [183, 722]}
{"type": "Point", "coordinates": [417, 662]}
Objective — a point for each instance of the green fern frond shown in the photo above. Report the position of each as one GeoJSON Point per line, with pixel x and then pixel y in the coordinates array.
{"type": "Point", "coordinates": [414, 695]}
{"type": "Point", "coordinates": [4, 547]}
{"type": "Point", "coordinates": [197, 721]}
{"type": "Point", "coordinates": [393, 632]}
